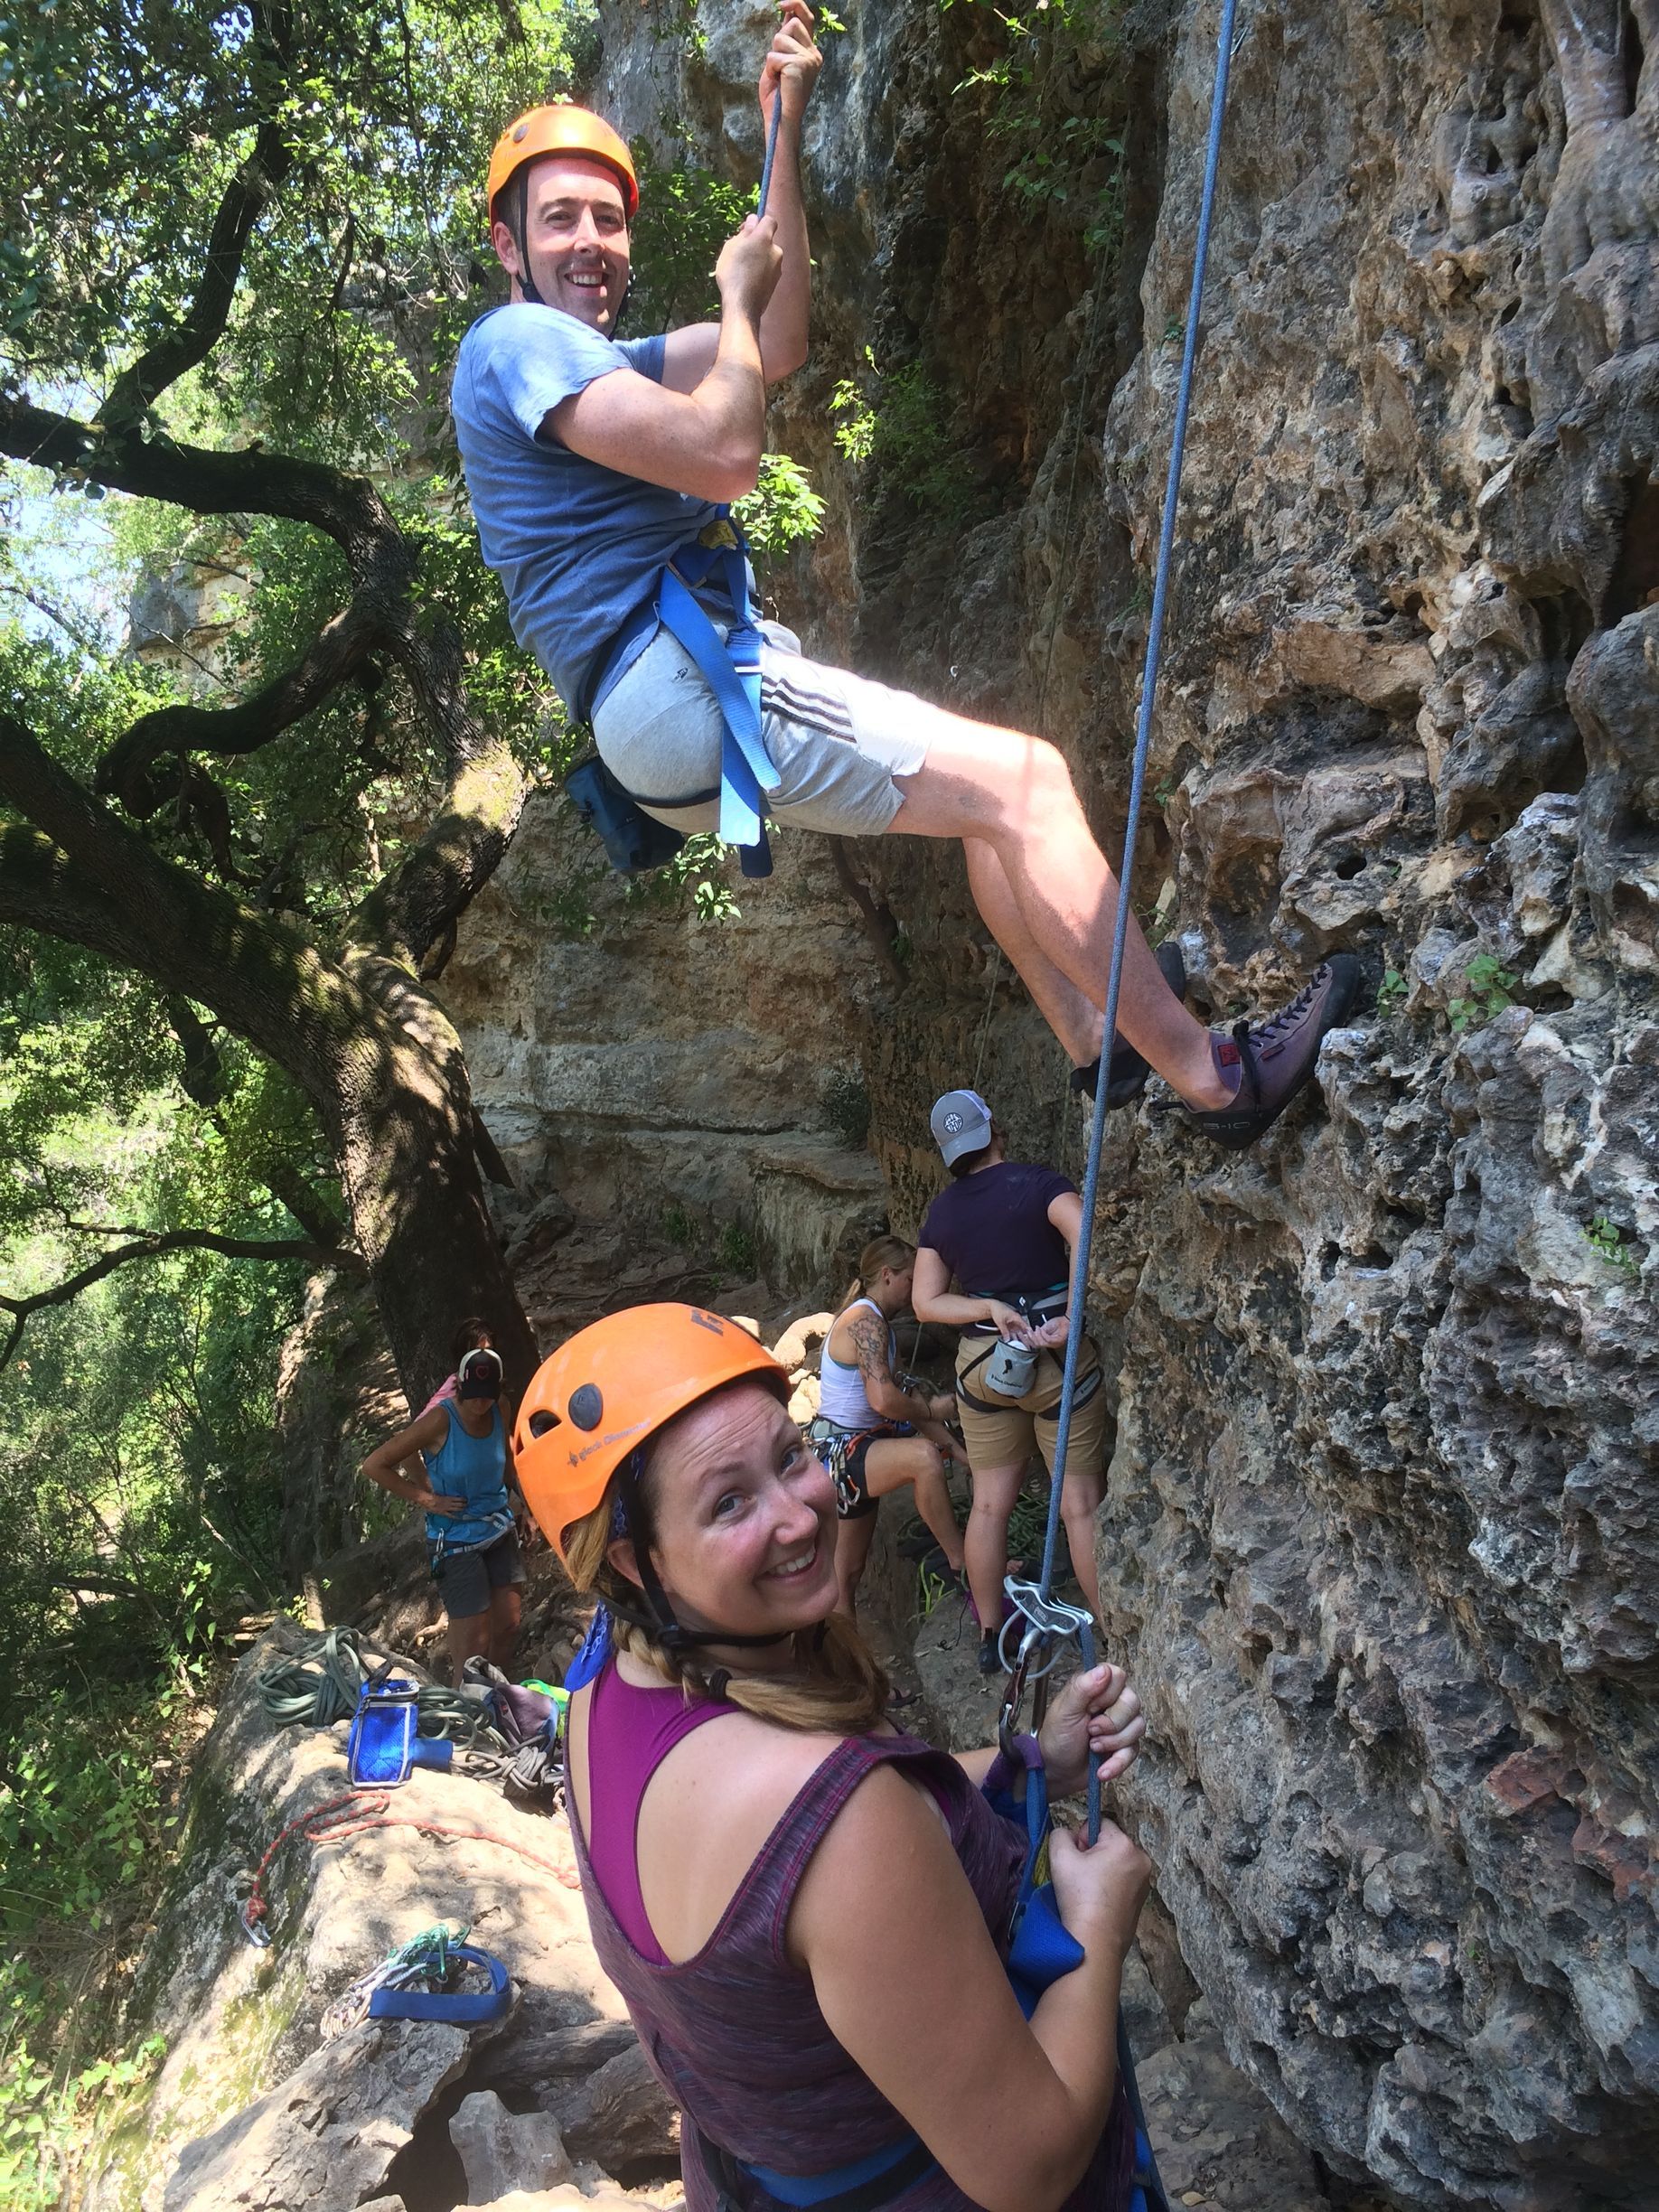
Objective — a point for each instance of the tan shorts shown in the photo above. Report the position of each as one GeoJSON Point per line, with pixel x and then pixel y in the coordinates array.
{"type": "Point", "coordinates": [1008, 1438]}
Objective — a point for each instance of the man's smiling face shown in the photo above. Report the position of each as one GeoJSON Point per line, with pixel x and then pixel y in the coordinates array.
{"type": "Point", "coordinates": [576, 229]}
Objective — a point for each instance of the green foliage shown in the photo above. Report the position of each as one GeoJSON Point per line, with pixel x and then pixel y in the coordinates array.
{"type": "Point", "coordinates": [1390, 992]}
{"type": "Point", "coordinates": [385, 114]}
{"type": "Point", "coordinates": [855, 434]}
{"type": "Point", "coordinates": [678, 1227]}
{"type": "Point", "coordinates": [897, 422]}
{"type": "Point", "coordinates": [846, 1106]}
{"type": "Point", "coordinates": [780, 511]}
{"type": "Point", "coordinates": [1487, 986]}
{"type": "Point", "coordinates": [736, 1250]}
{"type": "Point", "coordinates": [699, 868]}
{"type": "Point", "coordinates": [1612, 1243]}
{"type": "Point", "coordinates": [44, 2122]}
{"type": "Point", "coordinates": [1057, 158]}
{"type": "Point", "coordinates": [686, 215]}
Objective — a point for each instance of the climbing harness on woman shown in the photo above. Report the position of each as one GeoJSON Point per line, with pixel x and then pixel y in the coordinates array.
{"type": "Point", "coordinates": [601, 473]}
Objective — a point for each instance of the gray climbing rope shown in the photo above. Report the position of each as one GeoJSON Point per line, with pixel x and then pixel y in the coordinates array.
{"type": "Point", "coordinates": [320, 1683]}
{"type": "Point", "coordinates": [1045, 1620]}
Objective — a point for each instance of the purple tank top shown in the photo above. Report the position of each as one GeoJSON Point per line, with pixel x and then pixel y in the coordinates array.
{"type": "Point", "coordinates": [734, 2034]}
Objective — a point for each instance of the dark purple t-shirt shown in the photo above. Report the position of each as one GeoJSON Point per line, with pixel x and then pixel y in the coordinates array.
{"type": "Point", "coordinates": [992, 1230]}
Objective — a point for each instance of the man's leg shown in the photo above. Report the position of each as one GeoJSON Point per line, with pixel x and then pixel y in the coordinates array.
{"type": "Point", "coordinates": [1015, 793]}
{"type": "Point", "coordinates": [892, 1462]}
{"type": "Point", "coordinates": [1073, 1018]}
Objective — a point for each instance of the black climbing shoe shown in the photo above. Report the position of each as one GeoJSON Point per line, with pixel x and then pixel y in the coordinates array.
{"type": "Point", "coordinates": [1275, 1057]}
{"type": "Point", "coordinates": [991, 1658]}
{"type": "Point", "coordinates": [1127, 1072]}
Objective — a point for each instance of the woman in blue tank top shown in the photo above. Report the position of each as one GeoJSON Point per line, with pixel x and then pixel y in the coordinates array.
{"type": "Point", "coordinates": [470, 1494]}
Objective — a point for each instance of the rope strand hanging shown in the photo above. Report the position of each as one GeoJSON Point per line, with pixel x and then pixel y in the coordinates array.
{"type": "Point", "coordinates": [1044, 1619]}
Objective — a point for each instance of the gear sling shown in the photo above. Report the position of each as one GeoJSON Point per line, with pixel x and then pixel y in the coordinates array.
{"type": "Point", "coordinates": [731, 668]}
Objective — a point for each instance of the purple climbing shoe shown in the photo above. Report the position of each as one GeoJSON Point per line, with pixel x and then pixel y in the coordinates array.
{"type": "Point", "coordinates": [1275, 1058]}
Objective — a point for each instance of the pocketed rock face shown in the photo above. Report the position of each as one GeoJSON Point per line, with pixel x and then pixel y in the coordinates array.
{"type": "Point", "coordinates": [1380, 1532]}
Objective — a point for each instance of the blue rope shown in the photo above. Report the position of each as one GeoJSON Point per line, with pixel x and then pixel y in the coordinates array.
{"type": "Point", "coordinates": [772, 151]}
{"type": "Point", "coordinates": [1143, 739]}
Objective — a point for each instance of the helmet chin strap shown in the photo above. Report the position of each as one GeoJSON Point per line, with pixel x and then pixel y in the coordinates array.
{"type": "Point", "coordinates": [662, 1623]}
{"type": "Point", "coordinates": [520, 217]}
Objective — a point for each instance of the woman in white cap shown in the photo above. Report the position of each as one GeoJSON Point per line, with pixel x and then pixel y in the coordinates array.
{"type": "Point", "coordinates": [1009, 1235]}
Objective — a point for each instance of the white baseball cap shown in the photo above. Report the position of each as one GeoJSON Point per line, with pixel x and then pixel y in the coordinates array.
{"type": "Point", "coordinates": [960, 1122]}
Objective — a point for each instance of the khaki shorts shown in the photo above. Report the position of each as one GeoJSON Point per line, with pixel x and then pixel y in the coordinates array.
{"type": "Point", "coordinates": [1008, 1438]}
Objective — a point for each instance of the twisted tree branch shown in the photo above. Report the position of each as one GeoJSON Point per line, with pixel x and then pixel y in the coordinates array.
{"type": "Point", "coordinates": [194, 337]}
{"type": "Point", "coordinates": [150, 1248]}
{"type": "Point", "coordinates": [337, 652]}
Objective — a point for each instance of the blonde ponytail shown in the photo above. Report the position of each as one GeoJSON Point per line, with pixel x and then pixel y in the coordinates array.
{"type": "Point", "coordinates": [882, 1251]}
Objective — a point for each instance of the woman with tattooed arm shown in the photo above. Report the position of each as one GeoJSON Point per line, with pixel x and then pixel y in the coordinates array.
{"type": "Point", "coordinates": [875, 1429]}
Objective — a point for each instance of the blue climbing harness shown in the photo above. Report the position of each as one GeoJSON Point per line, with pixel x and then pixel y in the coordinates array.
{"type": "Point", "coordinates": [730, 666]}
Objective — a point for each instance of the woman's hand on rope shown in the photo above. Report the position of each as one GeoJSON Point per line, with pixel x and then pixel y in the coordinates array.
{"type": "Point", "coordinates": [792, 62]}
{"type": "Point", "coordinates": [1101, 1886]}
{"type": "Point", "coordinates": [1097, 1712]}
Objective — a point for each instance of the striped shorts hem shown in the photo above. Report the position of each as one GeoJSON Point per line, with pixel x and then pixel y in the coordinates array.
{"type": "Point", "coordinates": [837, 740]}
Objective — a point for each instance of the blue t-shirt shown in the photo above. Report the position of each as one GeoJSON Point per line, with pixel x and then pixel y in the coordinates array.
{"type": "Point", "coordinates": [578, 547]}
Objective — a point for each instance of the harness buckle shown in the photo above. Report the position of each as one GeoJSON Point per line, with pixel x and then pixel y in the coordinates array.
{"type": "Point", "coordinates": [719, 536]}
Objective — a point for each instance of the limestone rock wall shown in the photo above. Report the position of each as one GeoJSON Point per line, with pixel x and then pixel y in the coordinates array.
{"type": "Point", "coordinates": [1380, 1536]}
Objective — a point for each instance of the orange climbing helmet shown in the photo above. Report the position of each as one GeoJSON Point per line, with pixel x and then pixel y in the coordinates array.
{"type": "Point", "coordinates": [609, 1388]}
{"type": "Point", "coordinates": [560, 129]}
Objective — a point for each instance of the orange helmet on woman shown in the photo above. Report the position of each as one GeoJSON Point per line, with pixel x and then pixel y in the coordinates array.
{"type": "Point", "coordinates": [560, 128]}
{"type": "Point", "coordinates": [608, 1389]}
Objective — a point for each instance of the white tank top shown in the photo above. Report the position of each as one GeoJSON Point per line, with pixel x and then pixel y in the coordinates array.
{"type": "Point", "coordinates": [841, 1397]}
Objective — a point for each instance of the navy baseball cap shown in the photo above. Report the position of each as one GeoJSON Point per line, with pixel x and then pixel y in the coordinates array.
{"type": "Point", "coordinates": [960, 1122]}
{"type": "Point", "coordinates": [479, 1375]}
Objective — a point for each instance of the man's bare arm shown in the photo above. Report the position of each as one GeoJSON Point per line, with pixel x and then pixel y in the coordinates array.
{"type": "Point", "coordinates": [707, 442]}
{"type": "Point", "coordinates": [791, 70]}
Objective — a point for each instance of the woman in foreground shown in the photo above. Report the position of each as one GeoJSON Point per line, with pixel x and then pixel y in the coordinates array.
{"type": "Point", "coordinates": [806, 1912]}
